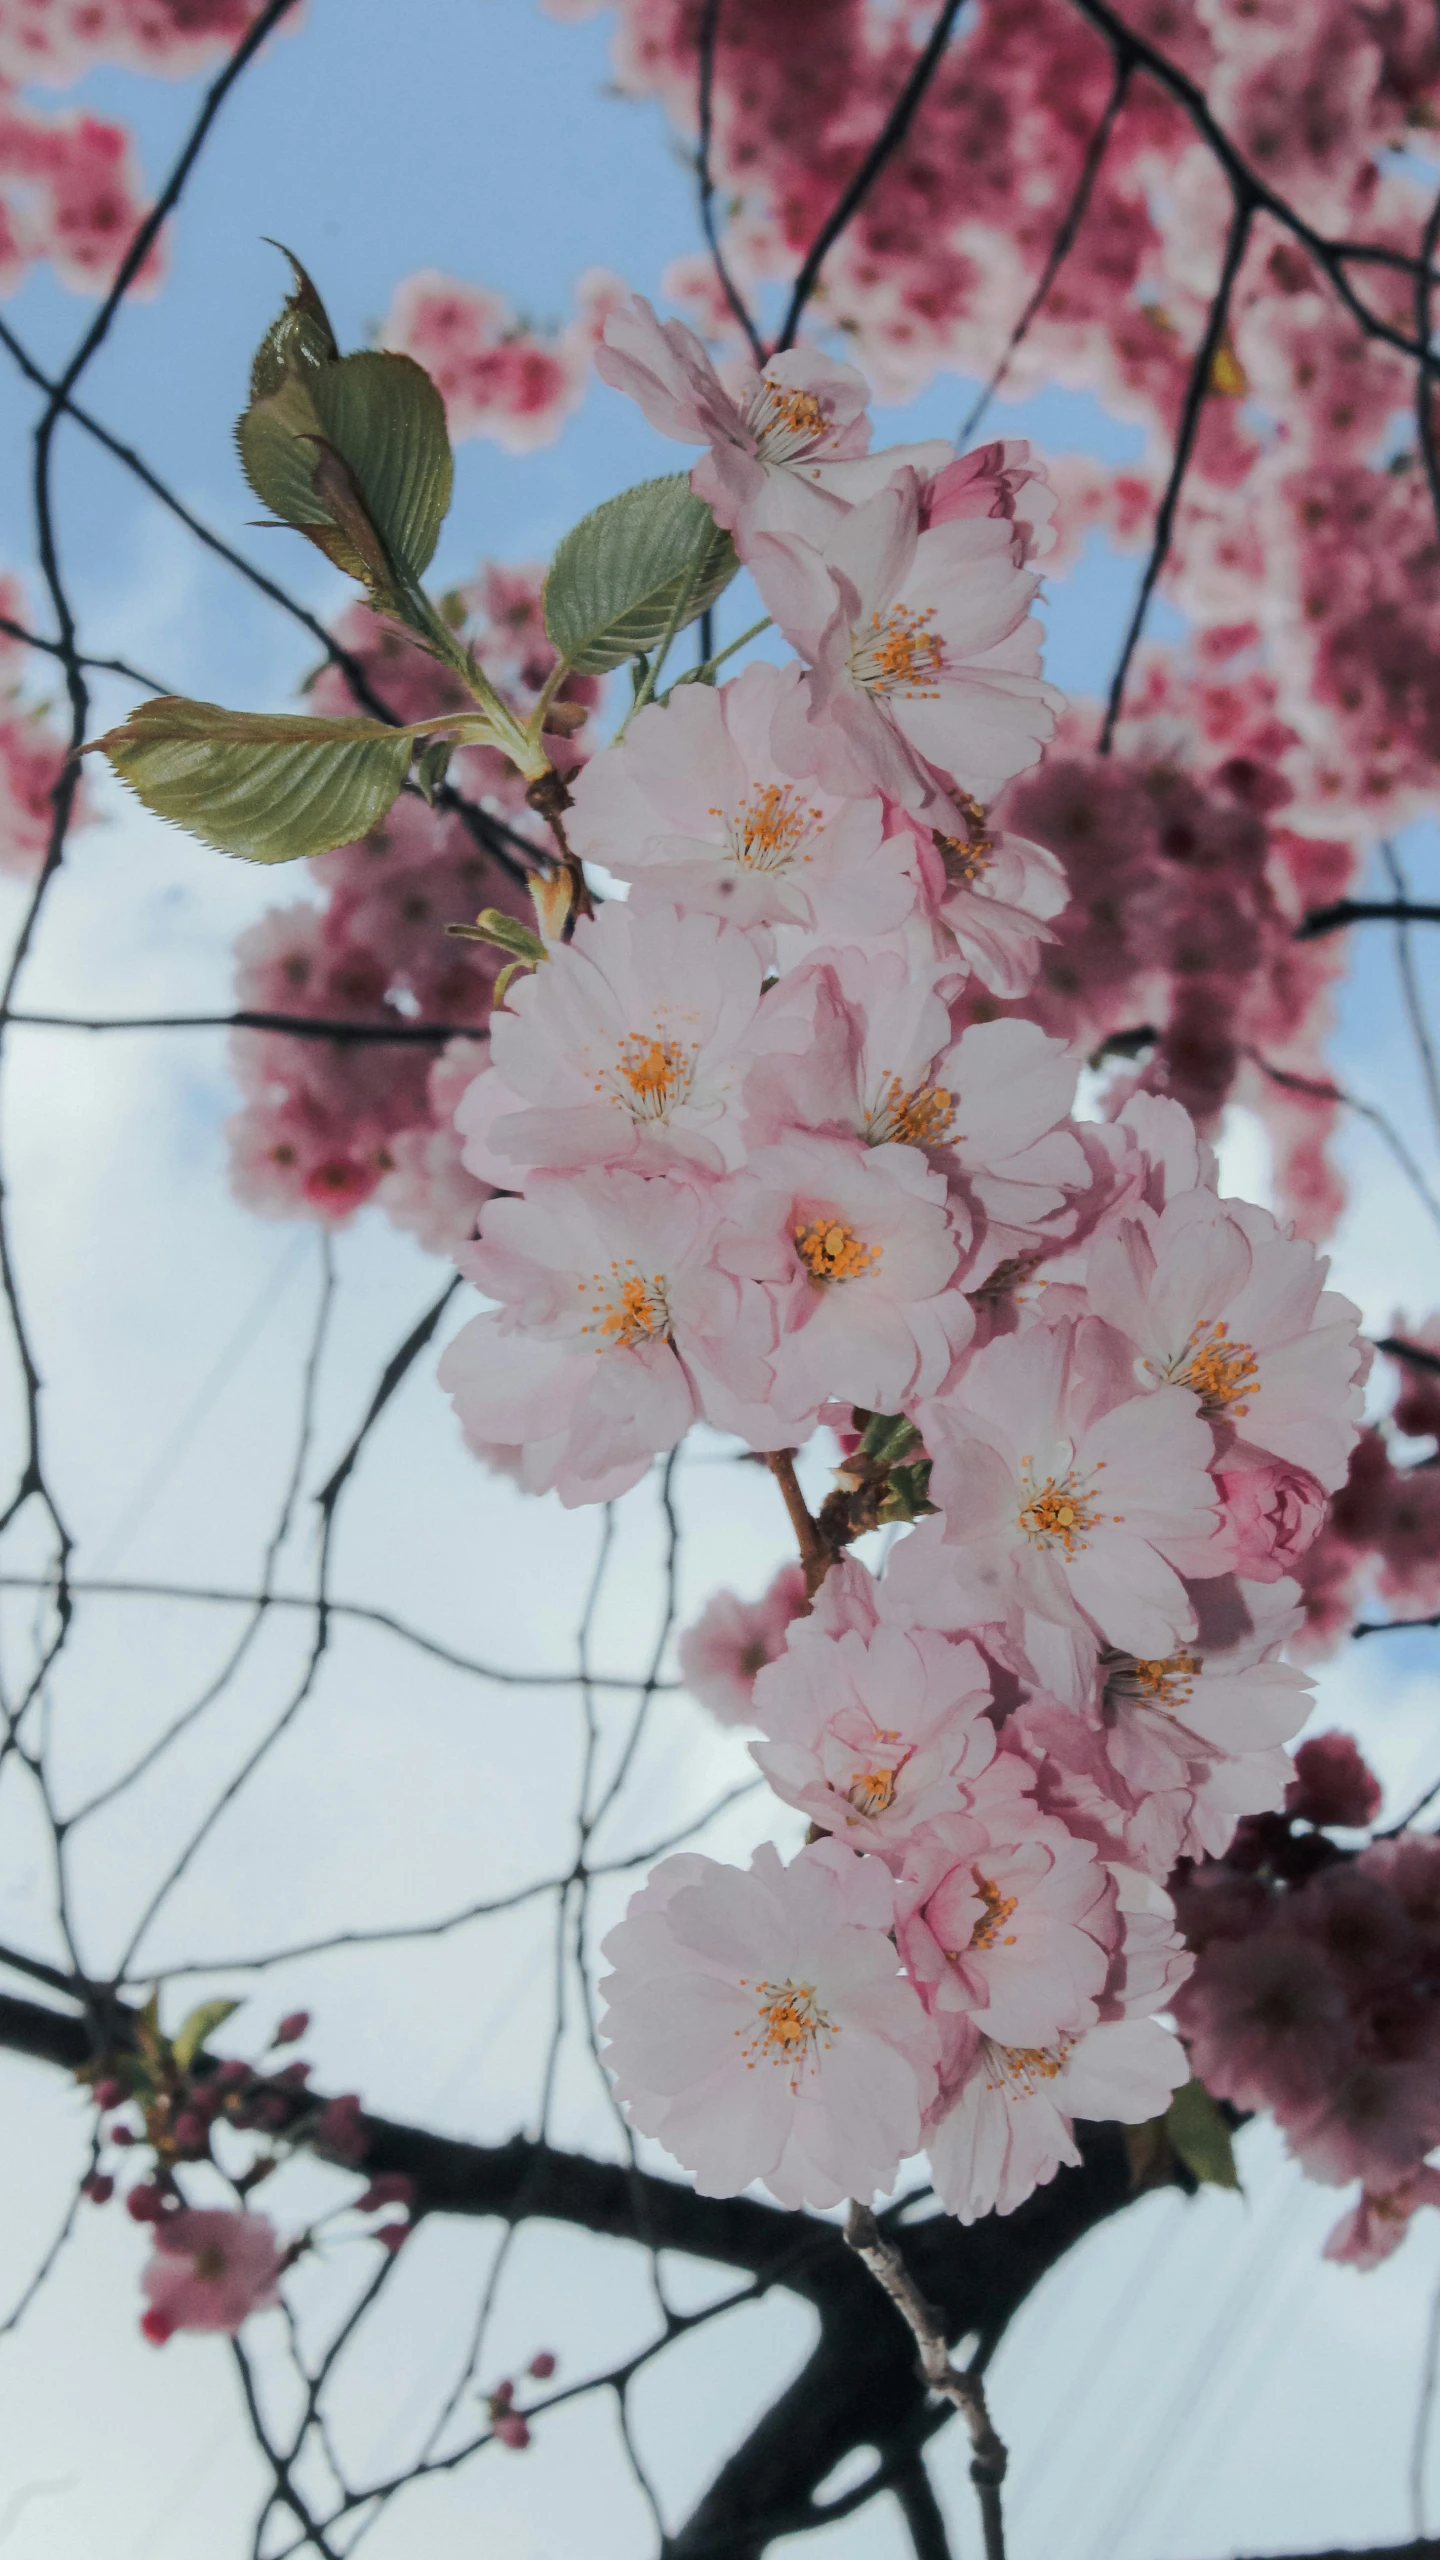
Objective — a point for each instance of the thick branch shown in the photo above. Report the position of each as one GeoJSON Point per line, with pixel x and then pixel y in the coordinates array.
{"type": "Point", "coordinates": [1347, 911]}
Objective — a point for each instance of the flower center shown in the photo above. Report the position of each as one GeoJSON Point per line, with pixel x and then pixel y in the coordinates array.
{"type": "Point", "coordinates": [1164, 1686]}
{"type": "Point", "coordinates": [209, 2265]}
{"type": "Point", "coordinates": [922, 1117]}
{"type": "Point", "coordinates": [871, 1791]}
{"type": "Point", "coordinates": [630, 1310]}
{"type": "Point", "coordinates": [784, 421]}
{"type": "Point", "coordinates": [1058, 1512]}
{"type": "Point", "coordinates": [965, 857]}
{"type": "Point", "coordinates": [832, 1252]}
{"type": "Point", "coordinates": [654, 1072]}
{"type": "Point", "coordinates": [1219, 1370]}
{"type": "Point", "coordinates": [767, 830]}
{"type": "Point", "coordinates": [1019, 2069]}
{"type": "Point", "coordinates": [998, 1907]}
{"type": "Point", "coordinates": [898, 653]}
{"type": "Point", "coordinates": [789, 2028]}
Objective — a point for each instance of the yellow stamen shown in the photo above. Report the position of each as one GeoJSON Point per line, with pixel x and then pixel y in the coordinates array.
{"type": "Point", "coordinates": [897, 653]}
{"type": "Point", "coordinates": [786, 421]}
{"type": "Point", "coordinates": [922, 1117]}
{"type": "Point", "coordinates": [1220, 1371]}
{"type": "Point", "coordinates": [998, 1907]}
{"type": "Point", "coordinates": [656, 1071]}
{"type": "Point", "coordinates": [832, 1252]}
{"type": "Point", "coordinates": [1058, 1513]}
{"type": "Point", "coordinates": [768, 829]}
{"type": "Point", "coordinates": [1018, 2069]}
{"type": "Point", "coordinates": [630, 1310]}
{"type": "Point", "coordinates": [789, 2028]}
{"type": "Point", "coordinates": [871, 1791]}
{"type": "Point", "coordinates": [1163, 1686]}
{"type": "Point", "coordinates": [966, 857]}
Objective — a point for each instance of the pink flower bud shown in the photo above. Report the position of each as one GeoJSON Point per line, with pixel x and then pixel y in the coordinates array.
{"type": "Point", "coordinates": [121, 2134]}
{"type": "Point", "coordinates": [340, 2133]}
{"type": "Point", "coordinates": [292, 2075]}
{"type": "Point", "coordinates": [157, 2326]}
{"type": "Point", "coordinates": [501, 2396]}
{"type": "Point", "coordinates": [543, 2365]}
{"type": "Point", "coordinates": [292, 2026]}
{"type": "Point", "coordinates": [108, 2094]}
{"type": "Point", "coordinates": [393, 2235]}
{"type": "Point", "coordinates": [192, 2134]}
{"type": "Point", "coordinates": [1273, 1514]}
{"type": "Point", "coordinates": [99, 2188]}
{"type": "Point", "coordinates": [145, 2204]}
{"type": "Point", "coordinates": [231, 2075]}
{"type": "Point", "coordinates": [513, 2431]}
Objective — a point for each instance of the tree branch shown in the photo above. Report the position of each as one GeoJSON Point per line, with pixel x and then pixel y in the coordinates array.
{"type": "Point", "coordinates": [1348, 911]}
{"type": "Point", "coordinates": [964, 2391]}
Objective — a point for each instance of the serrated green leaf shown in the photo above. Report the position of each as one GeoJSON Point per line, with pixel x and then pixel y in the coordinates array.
{"type": "Point", "coordinates": [1200, 2136]}
{"type": "Point", "coordinates": [350, 450]}
{"type": "Point", "coordinates": [268, 786]}
{"type": "Point", "coordinates": [618, 578]}
{"type": "Point", "coordinates": [198, 2028]}
{"type": "Point", "coordinates": [299, 340]}
{"type": "Point", "coordinates": [907, 1492]}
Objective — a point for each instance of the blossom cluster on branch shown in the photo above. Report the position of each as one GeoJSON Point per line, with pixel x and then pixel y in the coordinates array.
{"type": "Point", "coordinates": [760, 1165]}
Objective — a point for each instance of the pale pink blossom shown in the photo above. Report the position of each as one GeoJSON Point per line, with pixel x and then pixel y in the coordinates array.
{"type": "Point", "coordinates": [614, 1330]}
{"type": "Point", "coordinates": [209, 2270]}
{"type": "Point", "coordinates": [758, 2025]}
{"type": "Point", "coordinates": [1002, 2125]}
{"type": "Point", "coordinates": [1218, 1299]}
{"type": "Point", "coordinates": [1072, 1504]}
{"type": "Point", "coordinates": [731, 1642]}
{"type": "Point", "coordinates": [924, 655]}
{"type": "Point", "coordinates": [789, 452]}
{"type": "Point", "coordinates": [989, 894]}
{"type": "Point", "coordinates": [854, 1250]}
{"type": "Point", "coordinates": [1005, 1915]}
{"type": "Point", "coordinates": [871, 1736]}
{"type": "Point", "coordinates": [693, 806]}
{"type": "Point", "coordinates": [628, 1045]}
{"type": "Point", "coordinates": [997, 479]}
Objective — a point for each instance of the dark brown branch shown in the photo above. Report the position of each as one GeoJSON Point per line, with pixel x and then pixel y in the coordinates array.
{"type": "Point", "coordinates": [704, 171]}
{"type": "Point", "coordinates": [1060, 247]}
{"type": "Point", "coordinates": [1196, 391]}
{"type": "Point", "coordinates": [915, 2494]}
{"type": "Point", "coordinates": [298, 1026]}
{"type": "Point", "coordinates": [100, 666]}
{"type": "Point", "coordinates": [1395, 1347]}
{"type": "Point", "coordinates": [886, 143]}
{"type": "Point", "coordinates": [1348, 911]}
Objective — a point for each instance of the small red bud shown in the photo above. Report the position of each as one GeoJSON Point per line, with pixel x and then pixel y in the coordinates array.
{"type": "Point", "coordinates": [145, 2204]}
{"type": "Point", "coordinates": [157, 2326]}
{"type": "Point", "coordinates": [122, 2134]}
{"type": "Point", "coordinates": [192, 2134]}
{"type": "Point", "coordinates": [513, 2431]}
{"type": "Point", "coordinates": [292, 2075]}
{"type": "Point", "coordinates": [502, 2395]}
{"type": "Point", "coordinates": [543, 2365]}
{"type": "Point", "coordinates": [99, 2188]}
{"type": "Point", "coordinates": [393, 2235]}
{"type": "Point", "coordinates": [108, 2094]}
{"type": "Point", "coordinates": [292, 2027]}
{"type": "Point", "coordinates": [232, 2075]}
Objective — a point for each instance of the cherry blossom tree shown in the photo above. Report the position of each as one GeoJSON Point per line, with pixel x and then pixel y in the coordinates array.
{"type": "Point", "coordinates": [816, 1060]}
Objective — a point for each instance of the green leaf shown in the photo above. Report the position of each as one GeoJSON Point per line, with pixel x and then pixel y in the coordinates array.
{"type": "Point", "coordinates": [889, 1437]}
{"type": "Point", "coordinates": [907, 1492]}
{"type": "Point", "coordinates": [299, 341]}
{"type": "Point", "coordinates": [525, 947]}
{"type": "Point", "coordinates": [1200, 2136]}
{"type": "Point", "coordinates": [199, 2027]}
{"type": "Point", "coordinates": [350, 450]}
{"type": "Point", "coordinates": [268, 786]}
{"type": "Point", "coordinates": [618, 578]}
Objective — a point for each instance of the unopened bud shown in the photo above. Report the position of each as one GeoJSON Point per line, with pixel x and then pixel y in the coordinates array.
{"type": "Point", "coordinates": [121, 2134]}
{"type": "Point", "coordinates": [145, 2204]}
{"type": "Point", "coordinates": [232, 2075]}
{"type": "Point", "coordinates": [192, 2134]}
{"type": "Point", "coordinates": [552, 898]}
{"type": "Point", "coordinates": [502, 2395]}
{"type": "Point", "coordinates": [292, 2026]}
{"type": "Point", "coordinates": [157, 2326]}
{"type": "Point", "coordinates": [513, 2431]}
{"type": "Point", "coordinates": [543, 2365]}
{"type": "Point", "coordinates": [393, 2235]}
{"type": "Point", "coordinates": [99, 2188]}
{"type": "Point", "coordinates": [108, 2094]}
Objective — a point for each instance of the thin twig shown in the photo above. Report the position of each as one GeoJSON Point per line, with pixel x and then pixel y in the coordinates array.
{"type": "Point", "coordinates": [1348, 911]}
{"type": "Point", "coordinates": [965, 2391]}
{"type": "Point", "coordinates": [709, 33]}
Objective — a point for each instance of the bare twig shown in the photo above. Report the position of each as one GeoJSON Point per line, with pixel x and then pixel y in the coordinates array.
{"type": "Point", "coordinates": [704, 170]}
{"type": "Point", "coordinates": [1348, 911]}
{"type": "Point", "coordinates": [965, 2391]}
